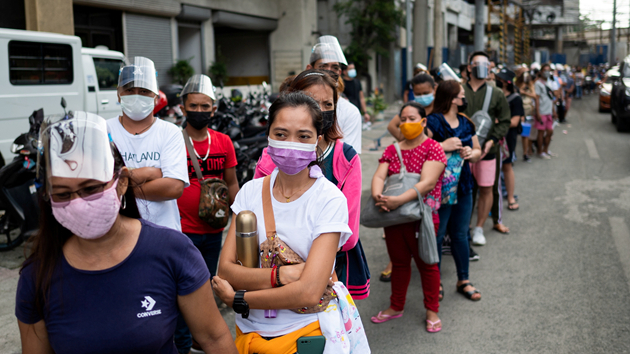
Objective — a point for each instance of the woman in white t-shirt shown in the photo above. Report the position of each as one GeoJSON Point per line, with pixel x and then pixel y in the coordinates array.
{"type": "Point", "coordinates": [311, 218]}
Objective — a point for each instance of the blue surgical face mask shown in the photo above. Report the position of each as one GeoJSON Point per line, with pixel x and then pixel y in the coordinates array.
{"type": "Point", "coordinates": [424, 100]}
{"type": "Point", "coordinates": [352, 73]}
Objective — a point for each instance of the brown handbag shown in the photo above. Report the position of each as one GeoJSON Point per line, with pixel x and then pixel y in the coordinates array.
{"type": "Point", "coordinates": [213, 201]}
{"type": "Point", "coordinates": [274, 251]}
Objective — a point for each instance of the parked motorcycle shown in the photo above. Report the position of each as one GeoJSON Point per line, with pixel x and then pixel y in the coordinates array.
{"type": "Point", "coordinates": [19, 209]}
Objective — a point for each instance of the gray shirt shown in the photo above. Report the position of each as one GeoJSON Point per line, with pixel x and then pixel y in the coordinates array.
{"type": "Point", "coordinates": [546, 104]}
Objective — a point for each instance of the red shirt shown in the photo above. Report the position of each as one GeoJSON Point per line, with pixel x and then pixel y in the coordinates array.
{"type": "Point", "coordinates": [221, 156]}
{"type": "Point", "coordinates": [414, 159]}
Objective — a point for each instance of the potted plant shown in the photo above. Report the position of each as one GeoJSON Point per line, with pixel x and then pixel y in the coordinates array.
{"type": "Point", "coordinates": [376, 104]}
{"type": "Point", "coordinates": [181, 71]}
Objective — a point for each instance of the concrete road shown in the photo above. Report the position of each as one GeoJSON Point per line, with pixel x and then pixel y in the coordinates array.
{"type": "Point", "coordinates": [558, 283]}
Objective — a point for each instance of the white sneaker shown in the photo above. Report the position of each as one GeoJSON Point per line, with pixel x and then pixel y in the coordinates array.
{"type": "Point", "coordinates": [544, 156]}
{"type": "Point", "coordinates": [478, 238]}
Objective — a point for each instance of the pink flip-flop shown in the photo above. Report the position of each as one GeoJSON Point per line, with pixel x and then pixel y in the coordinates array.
{"type": "Point", "coordinates": [380, 318]}
{"type": "Point", "coordinates": [433, 329]}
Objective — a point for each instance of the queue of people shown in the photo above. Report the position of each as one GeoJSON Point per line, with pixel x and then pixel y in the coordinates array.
{"type": "Point", "coordinates": [134, 211]}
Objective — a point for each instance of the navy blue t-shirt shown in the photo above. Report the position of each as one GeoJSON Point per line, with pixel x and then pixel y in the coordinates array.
{"type": "Point", "coordinates": [465, 131]}
{"type": "Point", "coordinates": [129, 308]}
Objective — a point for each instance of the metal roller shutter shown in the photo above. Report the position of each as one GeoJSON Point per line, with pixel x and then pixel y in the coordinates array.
{"type": "Point", "coordinates": [150, 37]}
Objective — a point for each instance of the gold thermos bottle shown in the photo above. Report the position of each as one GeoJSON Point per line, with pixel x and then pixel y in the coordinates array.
{"type": "Point", "coordinates": [247, 239]}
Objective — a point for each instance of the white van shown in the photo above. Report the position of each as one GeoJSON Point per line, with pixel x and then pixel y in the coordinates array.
{"type": "Point", "coordinates": [37, 69]}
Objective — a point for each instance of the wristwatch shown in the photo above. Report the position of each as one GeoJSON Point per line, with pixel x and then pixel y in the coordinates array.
{"type": "Point", "coordinates": [240, 305]}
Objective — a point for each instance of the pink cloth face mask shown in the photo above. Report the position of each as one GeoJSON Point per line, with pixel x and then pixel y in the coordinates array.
{"type": "Point", "coordinates": [291, 157]}
{"type": "Point", "coordinates": [89, 218]}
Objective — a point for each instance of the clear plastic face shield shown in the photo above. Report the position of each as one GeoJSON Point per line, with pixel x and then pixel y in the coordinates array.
{"type": "Point", "coordinates": [78, 147]}
{"type": "Point", "coordinates": [446, 73]}
{"type": "Point", "coordinates": [141, 74]}
{"type": "Point", "coordinates": [328, 50]}
{"type": "Point", "coordinates": [199, 83]}
{"type": "Point", "coordinates": [480, 67]}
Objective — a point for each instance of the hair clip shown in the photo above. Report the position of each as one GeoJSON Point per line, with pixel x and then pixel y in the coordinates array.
{"type": "Point", "coordinates": [309, 74]}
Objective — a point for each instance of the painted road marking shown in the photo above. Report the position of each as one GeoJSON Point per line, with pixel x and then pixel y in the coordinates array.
{"type": "Point", "coordinates": [592, 150]}
{"type": "Point", "coordinates": [621, 235]}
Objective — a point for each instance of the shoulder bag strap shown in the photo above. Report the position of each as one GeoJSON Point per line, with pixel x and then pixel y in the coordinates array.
{"type": "Point", "coordinates": [486, 102]}
{"type": "Point", "coordinates": [403, 169]}
{"type": "Point", "coordinates": [270, 221]}
{"type": "Point", "coordinates": [512, 97]}
{"type": "Point", "coordinates": [193, 156]}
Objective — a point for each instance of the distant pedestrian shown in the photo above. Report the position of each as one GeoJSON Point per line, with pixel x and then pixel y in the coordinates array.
{"type": "Point", "coordinates": [544, 112]}
{"type": "Point", "coordinates": [408, 94]}
{"type": "Point", "coordinates": [422, 155]}
{"type": "Point", "coordinates": [353, 89]}
{"type": "Point", "coordinates": [527, 89]}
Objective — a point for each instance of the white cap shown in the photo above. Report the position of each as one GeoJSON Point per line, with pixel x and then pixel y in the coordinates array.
{"type": "Point", "coordinates": [141, 74]}
{"type": "Point", "coordinates": [78, 147]}
{"type": "Point", "coordinates": [559, 67]}
{"type": "Point", "coordinates": [199, 83]}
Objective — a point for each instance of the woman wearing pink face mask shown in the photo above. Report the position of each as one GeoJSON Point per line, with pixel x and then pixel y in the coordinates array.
{"type": "Point", "coordinates": [342, 166]}
{"type": "Point", "coordinates": [311, 220]}
{"type": "Point", "coordinates": [100, 279]}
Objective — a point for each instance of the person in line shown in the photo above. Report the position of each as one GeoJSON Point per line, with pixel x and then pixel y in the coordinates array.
{"type": "Point", "coordinates": [421, 155]}
{"type": "Point", "coordinates": [505, 82]}
{"type": "Point", "coordinates": [569, 90]}
{"type": "Point", "coordinates": [423, 88]}
{"type": "Point", "coordinates": [463, 72]}
{"type": "Point", "coordinates": [327, 55]}
{"type": "Point", "coordinates": [544, 112]}
{"type": "Point", "coordinates": [311, 219]}
{"type": "Point", "coordinates": [341, 166]}
{"type": "Point", "coordinates": [456, 133]}
{"type": "Point", "coordinates": [215, 154]}
{"type": "Point", "coordinates": [499, 111]}
{"type": "Point", "coordinates": [353, 89]}
{"type": "Point", "coordinates": [408, 94]}
{"type": "Point", "coordinates": [100, 279]}
{"type": "Point", "coordinates": [527, 90]}
{"type": "Point", "coordinates": [152, 147]}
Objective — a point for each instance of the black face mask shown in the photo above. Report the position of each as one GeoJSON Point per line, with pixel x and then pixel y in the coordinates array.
{"type": "Point", "coordinates": [332, 74]}
{"type": "Point", "coordinates": [463, 106]}
{"type": "Point", "coordinates": [328, 120]}
{"type": "Point", "coordinates": [198, 120]}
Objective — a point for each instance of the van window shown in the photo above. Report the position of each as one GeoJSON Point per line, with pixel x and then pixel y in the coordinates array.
{"type": "Point", "coordinates": [107, 72]}
{"type": "Point", "coordinates": [33, 63]}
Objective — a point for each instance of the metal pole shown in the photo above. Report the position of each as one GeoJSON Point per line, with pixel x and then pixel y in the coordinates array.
{"type": "Point", "coordinates": [437, 33]}
{"type": "Point", "coordinates": [479, 6]}
{"type": "Point", "coordinates": [409, 42]}
{"type": "Point", "coordinates": [613, 29]}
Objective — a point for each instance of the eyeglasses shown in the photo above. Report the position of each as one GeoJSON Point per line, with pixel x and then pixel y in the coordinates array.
{"type": "Point", "coordinates": [88, 193]}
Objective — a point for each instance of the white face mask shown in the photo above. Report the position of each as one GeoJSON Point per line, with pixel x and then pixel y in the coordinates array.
{"type": "Point", "coordinates": [137, 107]}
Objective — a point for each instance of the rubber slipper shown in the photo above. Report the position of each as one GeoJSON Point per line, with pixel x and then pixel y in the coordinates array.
{"type": "Point", "coordinates": [433, 329]}
{"type": "Point", "coordinates": [441, 297]}
{"type": "Point", "coordinates": [380, 318]}
{"type": "Point", "coordinates": [386, 276]}
{"type": "Point", "coordinates": [495, 228]}
{"type": "Point", "coordinates": [468, 294]}
{"type": "Point", "coordinates": [510, 206]}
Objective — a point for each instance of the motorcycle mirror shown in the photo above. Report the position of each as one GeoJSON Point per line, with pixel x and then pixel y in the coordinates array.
{"type": "Point", "coordinates": [63, 103]}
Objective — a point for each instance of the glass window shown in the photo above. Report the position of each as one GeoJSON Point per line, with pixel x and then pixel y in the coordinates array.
{"type": "Point", "coordinates": [107, 72]}
{"type": "Point", "coordinates": [33, 63]}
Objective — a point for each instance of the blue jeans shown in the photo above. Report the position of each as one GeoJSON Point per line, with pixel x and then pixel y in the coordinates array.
{"type": "Point", "coordinates": [210, 247]}
{"type": "Point", "coordinates": [578, 91]}
{"type": "Point", "coordinates": [456, 219]}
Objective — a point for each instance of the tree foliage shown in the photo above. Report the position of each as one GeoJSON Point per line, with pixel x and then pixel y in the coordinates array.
{"type": "Point", "coordinates": [374, 25]}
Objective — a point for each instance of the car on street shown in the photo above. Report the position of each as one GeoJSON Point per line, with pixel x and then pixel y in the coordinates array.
{"type": "Point", "coordinates": [620, 97]}
{"type": "Point", "coordinates": [605, 88]}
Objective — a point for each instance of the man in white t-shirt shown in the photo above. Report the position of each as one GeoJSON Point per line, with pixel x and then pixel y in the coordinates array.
{"type": "Point", "coordinates": [327, 55]}
{"type": "Point", "coordinates": [154, 149]}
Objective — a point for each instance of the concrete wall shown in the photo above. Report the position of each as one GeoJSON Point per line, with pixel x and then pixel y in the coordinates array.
{"type": "Point", "coordinates": [49, 16]}
{"type": "Point", "coordinates": [166, 8]}
{"type": "Point", "coordinates": [291, 43]}
{"type": "Point", "coordinates": [260, 8]}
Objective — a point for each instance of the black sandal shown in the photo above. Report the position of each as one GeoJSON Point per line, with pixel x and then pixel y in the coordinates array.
{"type": "Point", "coordinates": [441, 296]}
{"type": "Point", "coordinates": [468, 294]}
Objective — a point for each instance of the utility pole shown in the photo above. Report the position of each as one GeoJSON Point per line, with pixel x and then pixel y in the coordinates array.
{"type": "Point", "coordinates": [437, 33]}
{"type": "Point", "coordinates": [479, 17]}
{"type": "Point", "coordinates": [409, 42]}
{"type": "Point", "coordinates": [613, 29]}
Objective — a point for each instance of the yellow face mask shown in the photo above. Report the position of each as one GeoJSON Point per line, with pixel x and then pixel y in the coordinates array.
{"type": "Point", "coordinates": [411, 130]}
